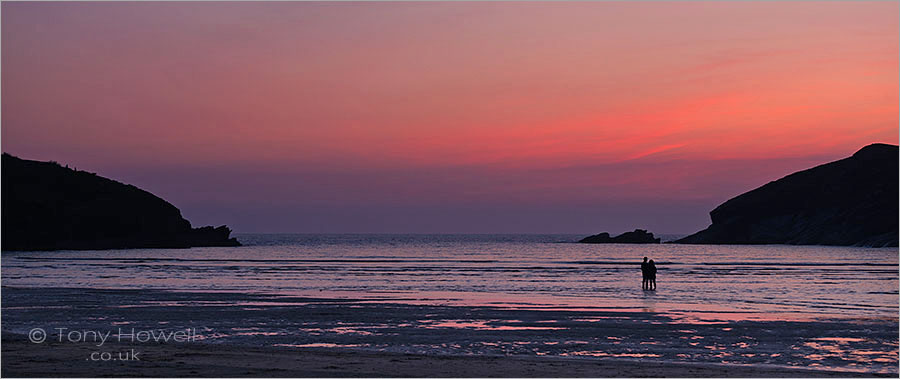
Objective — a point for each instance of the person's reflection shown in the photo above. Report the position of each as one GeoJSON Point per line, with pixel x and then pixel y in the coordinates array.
{"type": "Point", "coordinates": [648, 302]}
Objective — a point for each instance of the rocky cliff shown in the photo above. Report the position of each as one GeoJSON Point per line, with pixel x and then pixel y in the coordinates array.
{"type": "Point", "coordinates": [50, 207]}
{"type": "Point", "coordinates": [850, 202]}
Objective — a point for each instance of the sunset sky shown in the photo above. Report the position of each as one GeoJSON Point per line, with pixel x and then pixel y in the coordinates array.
{"type": "Point", "coordinates": [448, 117]}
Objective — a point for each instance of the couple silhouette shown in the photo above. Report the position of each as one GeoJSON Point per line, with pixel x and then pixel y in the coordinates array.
{"type": "Point", "coordinates": [648, 271]}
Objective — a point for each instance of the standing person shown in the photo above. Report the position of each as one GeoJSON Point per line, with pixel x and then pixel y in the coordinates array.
{"type": "Point", "coordinates": [645, 274]}
{"type": "Point", "coordinates": [651, 272]}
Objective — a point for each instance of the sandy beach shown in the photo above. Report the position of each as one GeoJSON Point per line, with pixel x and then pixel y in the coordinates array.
{"type": "Point", "coordinates": [24, 359]}
{"type": "Point", "coordinates": [53, 332]}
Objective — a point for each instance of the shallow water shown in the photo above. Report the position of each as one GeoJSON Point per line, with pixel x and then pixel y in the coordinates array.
{"type": "Point", "coordinates": [697, 282]}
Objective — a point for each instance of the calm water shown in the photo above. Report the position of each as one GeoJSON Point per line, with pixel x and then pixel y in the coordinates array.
{"type": "Point", "coordinates": [521, 271]}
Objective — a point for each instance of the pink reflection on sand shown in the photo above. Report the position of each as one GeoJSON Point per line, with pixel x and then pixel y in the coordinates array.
{"type": "Point", "coordinates": [346, 330]}
{"type": "Point", "coordinates": [686, 313]}
{"type": "Point", "coordinates": [257, 334]}
{"type": "Point", "coordinates": [840, 340]}
{"type": "Point", "coordinates": [715, 318]}
{"type": "Point", "coordinates": [340, 330]}
{"type": "Point", "coordinates": [483, 325]}
{"type": "Point", "coordinates": [321, 344]}
{"type": "Point", "coordinates": [211, 336]}
{"type": "Point", "coordinates": [612, 355]}
{"type": "Point", "coordinates": [838, 348]}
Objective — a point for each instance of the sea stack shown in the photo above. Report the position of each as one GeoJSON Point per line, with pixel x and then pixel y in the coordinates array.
{"type": "Point", "coordinates": [850, 202]}
{"type": "Point", "coordinates": [50, 207]}
{"type": "Point", "coordinates": [636, 236]}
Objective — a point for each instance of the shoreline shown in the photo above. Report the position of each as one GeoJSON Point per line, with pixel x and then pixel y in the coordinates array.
{"type": "Point", "coordinates": [25, 359]}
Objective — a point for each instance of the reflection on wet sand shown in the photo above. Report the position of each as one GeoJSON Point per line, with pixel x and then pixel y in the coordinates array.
{"type": "Point", "coordinates": [865, 345]}
{"type": "Point", "coordinates": [483, 325]}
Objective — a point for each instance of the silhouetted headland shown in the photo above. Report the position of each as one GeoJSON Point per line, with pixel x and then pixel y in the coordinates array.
{"type": "Point", "coordinates": [50, 207]}
{"type": "Point", "coordinates": [850, 202]}
{"type": "Point", "coordinates": [637, 236]}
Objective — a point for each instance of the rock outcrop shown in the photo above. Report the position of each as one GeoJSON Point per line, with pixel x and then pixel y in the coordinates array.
{"type": "Point", "coordinates": [637, 236]}
{"type": "Point", "coordinates": [50, 207]}
{"type": "Point", "coordinates": [850, 202]}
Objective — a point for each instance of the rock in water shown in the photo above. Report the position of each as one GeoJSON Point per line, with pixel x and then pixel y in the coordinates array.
{"type": "Point", "coordinates": [850, 202]}
{"type": "Point", "coordinates": [50, 207]}
{"type": "Point", "coordinates": [597, 238]}
{"type": "Point", "coordinates": [637, 236]}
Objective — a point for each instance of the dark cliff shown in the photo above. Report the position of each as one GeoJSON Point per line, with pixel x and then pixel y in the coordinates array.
{"type": "Point", "coordinates": [50, 207]}
{"type": "Point", "coordinates": [636, 236]}
{"type": "Point", "coordinates": [850, 202]}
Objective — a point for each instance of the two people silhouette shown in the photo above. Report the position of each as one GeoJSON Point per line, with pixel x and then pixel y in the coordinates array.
{"type": "Point", "coordinates": [648, 271]}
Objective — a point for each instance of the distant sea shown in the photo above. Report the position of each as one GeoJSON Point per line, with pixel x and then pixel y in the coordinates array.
{"type": "Point", "coordinates": [697, 285]}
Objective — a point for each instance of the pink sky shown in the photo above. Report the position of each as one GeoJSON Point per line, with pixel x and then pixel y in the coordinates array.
{"type": "Point", "coordinates": [448, 117]}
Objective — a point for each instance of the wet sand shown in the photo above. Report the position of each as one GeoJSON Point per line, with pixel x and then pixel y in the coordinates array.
{"type": "Point", "coordinates": [25, 359]}
{"type": "Point", "coordinates": [269, 335]}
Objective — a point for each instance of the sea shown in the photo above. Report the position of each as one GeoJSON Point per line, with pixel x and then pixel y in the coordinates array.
{"type": "Point", "coordinates": [551, 282]}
